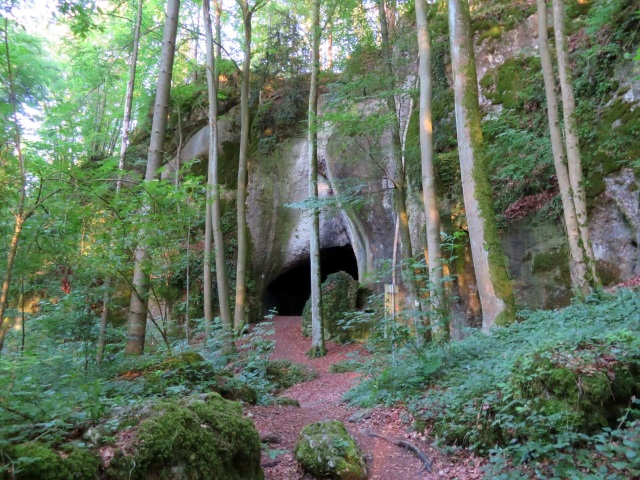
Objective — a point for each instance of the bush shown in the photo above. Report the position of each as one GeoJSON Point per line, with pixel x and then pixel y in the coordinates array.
{"type": "Point", "coordinates": [558, 384]}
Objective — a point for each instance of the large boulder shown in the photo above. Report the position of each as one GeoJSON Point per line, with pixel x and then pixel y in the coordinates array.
{"type": "Point", "coordinates": [326, 450]}
{"type": "Point", "coordinates": [339, 296]}
{"type": "Point", "coordinates": [195, 438]}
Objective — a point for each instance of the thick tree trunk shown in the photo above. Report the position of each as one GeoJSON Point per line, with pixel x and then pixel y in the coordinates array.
{"type": "Point", "coordinates": [126, 125]}
{"type": "Point", "coordinates": [399, 178]}
{"type": "Point", "coordinates": [432, 215]}
{"type": "Point", "coordinates": [137, 317]}
{"type": "Point", "coordinates": [213, 224]}
{"type": "Point", "coordinates": [241, 267]}
{"type": "Point", "coordinates": [496, 294]}
{"type": "Point", "coordinates": [571, 138]}
{"type": "Point", "coordinates": [317, 330]}
{"type": "Point", "coordinates": [577, 261]}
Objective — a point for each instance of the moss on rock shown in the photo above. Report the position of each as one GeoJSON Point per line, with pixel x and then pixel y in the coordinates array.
{"type": "Point", "coordinates": [339, 296]}
{"type": "Point", "coordinates": [190, 369]}
{"type": "Point", "coordinates": [196, 438]}
{"type": "Point", "coordinates": [589, 384]}
{"type": "Point", "coordinates": [285, 374]}
{"type": "Point", "coordinates": [326, 450]}
{"type": "Point", "coordinates": [38, 461]}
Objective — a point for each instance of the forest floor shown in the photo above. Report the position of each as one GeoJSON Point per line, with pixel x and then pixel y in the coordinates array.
{"type": "Point", "coordinates": [321, 399]}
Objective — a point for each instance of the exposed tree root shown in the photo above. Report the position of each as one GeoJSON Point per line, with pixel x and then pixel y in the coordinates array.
{"type": "Point", "coordinates": [426, 463]}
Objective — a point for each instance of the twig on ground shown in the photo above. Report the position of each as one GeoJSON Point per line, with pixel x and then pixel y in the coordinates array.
{"type": "Point", "coordinates": [426, 463]}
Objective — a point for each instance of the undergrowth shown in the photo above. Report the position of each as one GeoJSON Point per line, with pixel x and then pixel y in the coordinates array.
{"type": "Point", "coordinates": [552, 396]}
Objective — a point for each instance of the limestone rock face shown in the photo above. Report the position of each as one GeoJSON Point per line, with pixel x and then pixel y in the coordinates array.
{"type": "Point", "coordinates": [326, 450]}
{"type": "Point", "coordinates": [278, 223]}
{"type": "Point", "coordinates": [615, 227]}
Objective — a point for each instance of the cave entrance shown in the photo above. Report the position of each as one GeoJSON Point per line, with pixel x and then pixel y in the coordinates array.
{"type": "Point", "coordinates": [290, 291]}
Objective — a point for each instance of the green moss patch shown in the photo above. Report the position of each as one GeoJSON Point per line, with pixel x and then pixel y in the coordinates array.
{"type": "Point", "coordinates": [37, 461]}
{"type": "Point", "coordinates": [345, 366]}
{"type": "Point", "coordinates": [339, 296]}
{"type": "Point", "coordinates": [196, 438]}
{"type": "Point", "coordinates": [189, 370]}
{"type": "Point", "coordinates": [326, 450]}
{"type": "Point", "coordinates": [285, 374]}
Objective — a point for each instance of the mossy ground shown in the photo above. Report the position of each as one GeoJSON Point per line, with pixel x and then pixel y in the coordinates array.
{"type": "Point", "coordinates": [39, 461]}
{"type": "Point", "coordinates": [326, 450]}
{"type": "Point", "coordinates": [285, 374]}
{"type": "Point", "coordinates": [190, 370]}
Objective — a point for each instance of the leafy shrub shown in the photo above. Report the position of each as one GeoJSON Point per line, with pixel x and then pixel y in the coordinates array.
{"type": "Point", "coordinates": [538, 391]}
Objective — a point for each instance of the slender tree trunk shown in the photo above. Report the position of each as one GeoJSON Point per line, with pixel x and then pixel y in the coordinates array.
{"type": "Point", "coordinates": [241, 267]}
{"type": "Point", "coordinates": [317, 327]}
{"type": "Point", "coordinates": [578, 264]}
{"type": "Point", "coordinates": [496, 294]}
{"type": "Point", "coordinates": [213, 224]}
{"type": "Point", "coordinates": [20, 215]}
{"type": "Point", "coordinates": [399, 177]}
{"type": "Point", "coordinates": [432, 215]}
{"type": "Point", "coordinates": [126, 125]}
{"type": "Point", "coordinates": [137, 317]}
{"type": "Point", "coordinates": [330, 47]}
{"type": "Point", "coordinates": [571, 138]}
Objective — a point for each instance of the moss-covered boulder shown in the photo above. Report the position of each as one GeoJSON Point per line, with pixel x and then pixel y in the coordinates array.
{"type": "Point", "coordinates": [588, 385]}
{"type": "Point", "coordinates": [189, 369]}
{"type": "Point", "coordinates": [339, 296]}
{"type": "Point", "coordinates": [326, 450]}
{"type": "Point", "coordinates": [202, 437]}
{"type": "Point", "coordinates": [285, 374]}
{"type": "Point", "coordinates": [38, 461]}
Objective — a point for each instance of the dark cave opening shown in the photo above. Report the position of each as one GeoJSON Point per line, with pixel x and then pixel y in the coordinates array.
{"type": "Point", "coordinates": [290, 291]}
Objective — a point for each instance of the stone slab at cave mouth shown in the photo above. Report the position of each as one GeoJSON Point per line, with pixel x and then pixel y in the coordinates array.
{"type": "Point", "coordinates": [288, 293]}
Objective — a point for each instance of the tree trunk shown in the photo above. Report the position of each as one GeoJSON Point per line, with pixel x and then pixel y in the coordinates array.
{"type": "Point", "coordinates": [571, 138]}
{"type": "Point", "coordinates": [126, 125]}
{"type": "Point", "coordinates": [432, 215]}
{"type": "Point", "coordinates": [317, 327]}
{"type": "Point", "coordinates": [137, 317]}
{"type": "Point", "coordinates": [496, 294]}
{"type": "Point", "coordinates": [213, 224]}
{"type": "Point", "coordinates": [399, 179]}
{"type": "Point", "coordinates": [20, 215]}
{"type": "Point", "coordinates": [241, 267]}
{"type": "Point", "coordinates": [577, 261]}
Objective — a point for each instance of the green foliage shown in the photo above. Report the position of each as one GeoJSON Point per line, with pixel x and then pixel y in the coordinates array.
{"type": "Point", "coordinates": [285, 374]}
{"type": "Point", "coordinates": [345, 366]}
{"type": "Point", "coordinates": [538, 392]}
{"type": "Point", "coordinates": [37, 461]}
{"type": "Point", "coordinates": [326, 450]}
{"type": "Point", "coordinates": [280, 116]}
{"type": "Point", "coordinates": [339, 296]}
{"type": "Point", "coordinates": [492, 19]}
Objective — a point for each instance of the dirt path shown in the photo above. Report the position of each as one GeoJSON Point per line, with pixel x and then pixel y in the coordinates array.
{"type": "Point", "coordinates": [320, 399]}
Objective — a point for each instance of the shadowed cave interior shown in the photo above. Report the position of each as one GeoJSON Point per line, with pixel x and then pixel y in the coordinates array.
{"type": "Point", "coordinates": [291, 289]}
